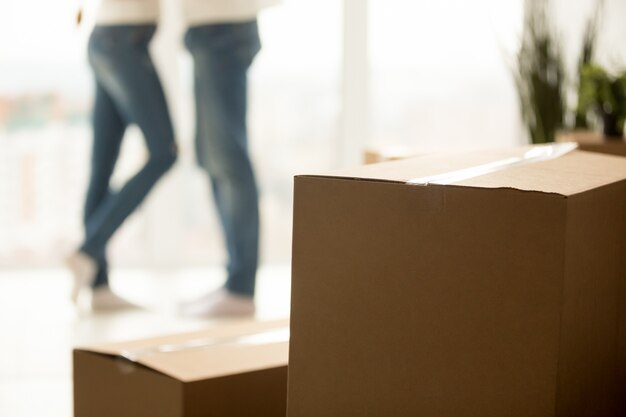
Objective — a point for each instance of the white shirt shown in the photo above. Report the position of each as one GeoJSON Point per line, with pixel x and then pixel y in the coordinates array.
{"type": "Point", "coordinates": [200, 12]}
{"type": "Point", "coordinates": [119, 12]}
{"type": "Point", "coordinates": [196, 12]}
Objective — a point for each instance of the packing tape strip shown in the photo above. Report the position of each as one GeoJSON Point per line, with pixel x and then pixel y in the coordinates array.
{"type": "Point", "coordinates": [536, 154]}
{"type": "Point", "coordinates": [254, 339]}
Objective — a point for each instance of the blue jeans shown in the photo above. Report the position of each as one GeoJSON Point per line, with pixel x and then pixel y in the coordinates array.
{"type": "Point", "coordinates": [128, 90]}
{"type": "Point", "coordinates": [222, 54]}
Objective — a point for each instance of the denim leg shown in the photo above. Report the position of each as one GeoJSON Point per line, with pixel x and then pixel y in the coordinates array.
{"type": "Point", "coordinates": [108, 131]}
{"type": "Point", "coordinates": [122, 65]}
{"type": "Point", "coordinates": [222, 54]}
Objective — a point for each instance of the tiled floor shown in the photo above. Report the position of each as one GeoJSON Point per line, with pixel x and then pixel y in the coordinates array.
{"type": "Point", "coordinates": [39, 326]}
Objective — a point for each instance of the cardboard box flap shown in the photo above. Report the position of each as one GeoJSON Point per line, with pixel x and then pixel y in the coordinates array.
{"type": "Point", "coordinates": [436, 163]}
{"type": "Point", "coordinates": [215, 352]}
{"type": "Point", "coordinates": [569, 174]}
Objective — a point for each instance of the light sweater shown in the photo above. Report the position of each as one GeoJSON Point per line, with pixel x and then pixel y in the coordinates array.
{"type": "Point", "coordinates": [196, 12]}
{"type": "Point", "coordinates": [200, 12]}
{"type": "Point", "coordinates": [120, 12]}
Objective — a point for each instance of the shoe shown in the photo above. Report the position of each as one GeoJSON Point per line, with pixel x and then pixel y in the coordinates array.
{"type": "Point", "coordinates": [220, 303]}
{"type": "Point", "coordinates": [103, 299]}
{"type": "Point", "coordinates": [84, 269]}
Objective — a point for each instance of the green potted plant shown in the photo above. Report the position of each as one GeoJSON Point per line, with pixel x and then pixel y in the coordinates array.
{"type": "Point", "coordinates": [604, 94]}
{"type": "Point", "coordinates": [587, 56]}
{"type": "Point", "coordinates": [540, 75]}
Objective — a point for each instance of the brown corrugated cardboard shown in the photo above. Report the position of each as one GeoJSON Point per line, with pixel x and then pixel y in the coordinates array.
{"type": "Point", "coordinates": [591, 141]}
{"type": "Point", "coordinates": [230, 370]}
{"type": "Point", "coordinates": [500, 295]}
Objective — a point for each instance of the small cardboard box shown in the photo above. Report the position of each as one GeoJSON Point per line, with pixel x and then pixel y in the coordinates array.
{"type": "Point", "coordinates": [234, 370]}
{"type": "Point", "coordinates": [500, 292]}
{"type": "Point", "coordinates": [593, 142]}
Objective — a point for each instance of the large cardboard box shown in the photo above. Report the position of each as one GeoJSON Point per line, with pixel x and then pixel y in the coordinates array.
{"type": "Point", "coordinates": [591, 141]}
{"type": "Point", "coordinates": [233, 370]}
{"type": "Point", "coordinates": [497, 290]}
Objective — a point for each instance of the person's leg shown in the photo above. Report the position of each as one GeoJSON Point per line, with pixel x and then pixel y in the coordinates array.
{"type": "Point", "coordinates": [123, 66]}
{"type": "Point", "coordinates": [222, 54]}
{"type": "Point", "coordinates": [108, 131]}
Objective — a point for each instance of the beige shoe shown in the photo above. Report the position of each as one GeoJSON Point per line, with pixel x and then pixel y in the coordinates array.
{"type": "Point", "coordinates": [84, 269]}
{"type": "Point", "coordinates": [103, 299]}
{"type": "Point", "coordinates": [220, 303]}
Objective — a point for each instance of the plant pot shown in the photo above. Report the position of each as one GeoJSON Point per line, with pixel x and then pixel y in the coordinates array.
{"type": "Point", "coordinates": [610, 127]}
